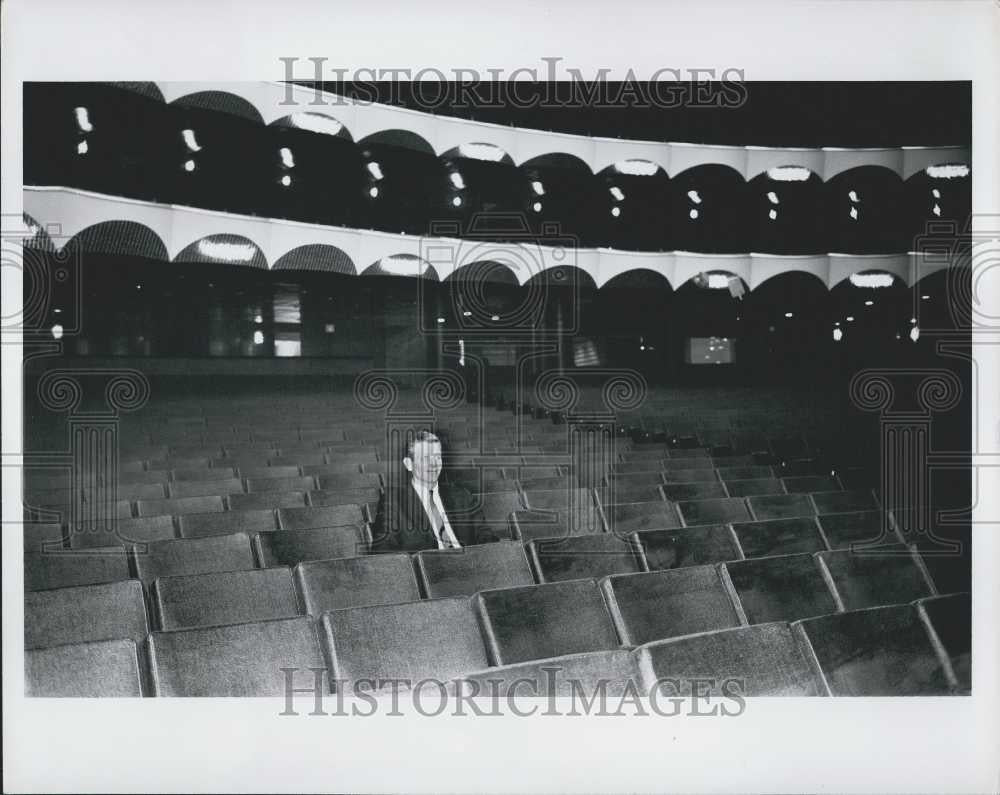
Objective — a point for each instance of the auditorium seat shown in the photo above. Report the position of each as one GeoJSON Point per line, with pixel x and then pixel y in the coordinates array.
{"type": "Point", "coordinates": [810, 483]}
{"type": "Point", "coordinates": [677, 492]}
{"type": "Point", "coordinates": [217, 473]}
{"type": "Point", "coordinates": [560, 483]}
{"type": "Point", "coordinates": [192, 556]}
{"type": "Point", "coordinates": [718, 511]}
{"type": "Point", "coordinates": [266, 500]}
{"type": "Point", "coordinates": [780, 588]}
{"type": "Point", "coordinates": [736, 463]}
{"type": "Point", "coordinates": [339, 583]}
{"type": "Point", "coordinates": [706, 475]}
{"type": "Point", "coordinates": [625, 491]}
{"type": "Point", "coordinates": [857, 478]}
{"type": "Point", "coordinates": [871, 578]}
{"type": "Point", "coordinates": [754, 487]}
{"type": "Point", "coordinates": [153, 528]}
{"type": "Point", "coordinates": [432, 639]}
{"type": "Point", "coordinates": [67, 569]}
{"type": "Point", "coordinates": [843, 501]}
{"type": "Point", "coordinates": [629, 517]}
{"type": "Point", "coordinates": [748, 472]}
{"type": "Point", "coordinates": [231, 597]}
{"type": "Point", "coordinates": [206, 488]}
{"type": "Point", "coordinates": [40, 537]}
{"type": "Point", "coordinates": [635, 467]}
{"type": "Point", "coordinates": [346, 481]}
{"type": "Point", "coordinates": [139, 491]}
{"type": "Point", "coordinates": [687, 546]}
{"type": "Point", "coordinates": [779, 537]}
{"type": "Point", "coordinates": [665, 604]}
{"type": "Point", "coordinates": [197, 525]}
{"type": "Point", "coordinates": [110, 611]}
{"type": "Point", "coordinates": [238, 661]}
{"type": "Point", "coordinates": [532, 472]}
{"type": "Point", "coordinates": [780, 506]}
{"type": "Point", "coordinates": [283, 484]}
{"type": "Point", "coordinates": [612, 673]}
{"type": "Point", "coordinates": [759, 660]}
{"type": "Point", "coordinates": [949, 618]}
{"type": "Point", "coordinates": [857, 527]}
{"type": "Point", "coordinates": [101, 669]}
{"type": "Point", "coordinates": [463, 572]}
{"type": "Point", "coordinates": [583, 557]}
{"type": "Point", "coordinates": [313, 517]}
{"type": "Point", "coordinates": [142, 476]}
{"type": "Point", "coordinates": [289, 547]}
{"type": "Point", "coordinates": [180, 463]}
{"type": "Point", "coordinates": [180, 506]}
{"type": "Point", "coordinates": [884, 651]}
{"type": "Point", "coordinates": [314, 458]}
{"type": "Point", "coordinates": [322, 499]}
{"type": "Point", "coordinates": [540, 621]}
{"type": "Point", "coordinates": [950, 570]}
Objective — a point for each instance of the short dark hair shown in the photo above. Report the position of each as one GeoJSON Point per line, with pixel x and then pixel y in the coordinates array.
{"type": "Point", "coordinates": [419, 436]}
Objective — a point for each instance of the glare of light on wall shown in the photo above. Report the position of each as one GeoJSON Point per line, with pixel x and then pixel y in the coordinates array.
{"type": "Point", "coordinates": [479, 151]}
{"type": "Point", "coordinates": [287, 160]}
{"type": "Point", "coordinates": [83, 120]}
{"type": "Point", "coordinates": [872, 280]}
{"type": "Point", "coordinates": [57, 331]}
{"type": "Point", "coordinates": [228, 252]}
{"type": "Point", "coordinates": [190, 141]}
{"type": "Point", "coordinates": [637, 168]}
{"type": "Point", "coordinates": [258, 337]}
{"type": "Point", "coordinates": [789, 174]}
{"type": "Point", "coordinates": [947, 172]}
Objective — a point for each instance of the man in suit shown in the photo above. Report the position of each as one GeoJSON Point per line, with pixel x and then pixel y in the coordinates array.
{"type": "Point", "coordinates": [416, 513]}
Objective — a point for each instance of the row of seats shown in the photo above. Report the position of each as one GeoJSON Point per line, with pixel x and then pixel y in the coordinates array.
{"type": "Point", "coordinates": [105, 648]}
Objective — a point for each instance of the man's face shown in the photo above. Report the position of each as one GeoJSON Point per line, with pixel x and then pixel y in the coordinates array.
{"type": "Point", "coordinates": [426, 462]}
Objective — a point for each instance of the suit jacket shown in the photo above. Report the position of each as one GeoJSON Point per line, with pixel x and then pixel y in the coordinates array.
{"type": "Point", "coordinates": [401, 523]}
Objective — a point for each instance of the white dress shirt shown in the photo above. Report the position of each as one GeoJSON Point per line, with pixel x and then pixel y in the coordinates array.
{"type": "Point", "coordinates": [444, 536]}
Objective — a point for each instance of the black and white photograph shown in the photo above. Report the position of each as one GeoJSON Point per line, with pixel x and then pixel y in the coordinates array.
{"type": "Point", "coordinates": [567, 394]}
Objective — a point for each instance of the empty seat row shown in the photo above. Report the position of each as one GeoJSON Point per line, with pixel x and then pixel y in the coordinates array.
{"type": "Point", "coordinates": [500, 634]}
